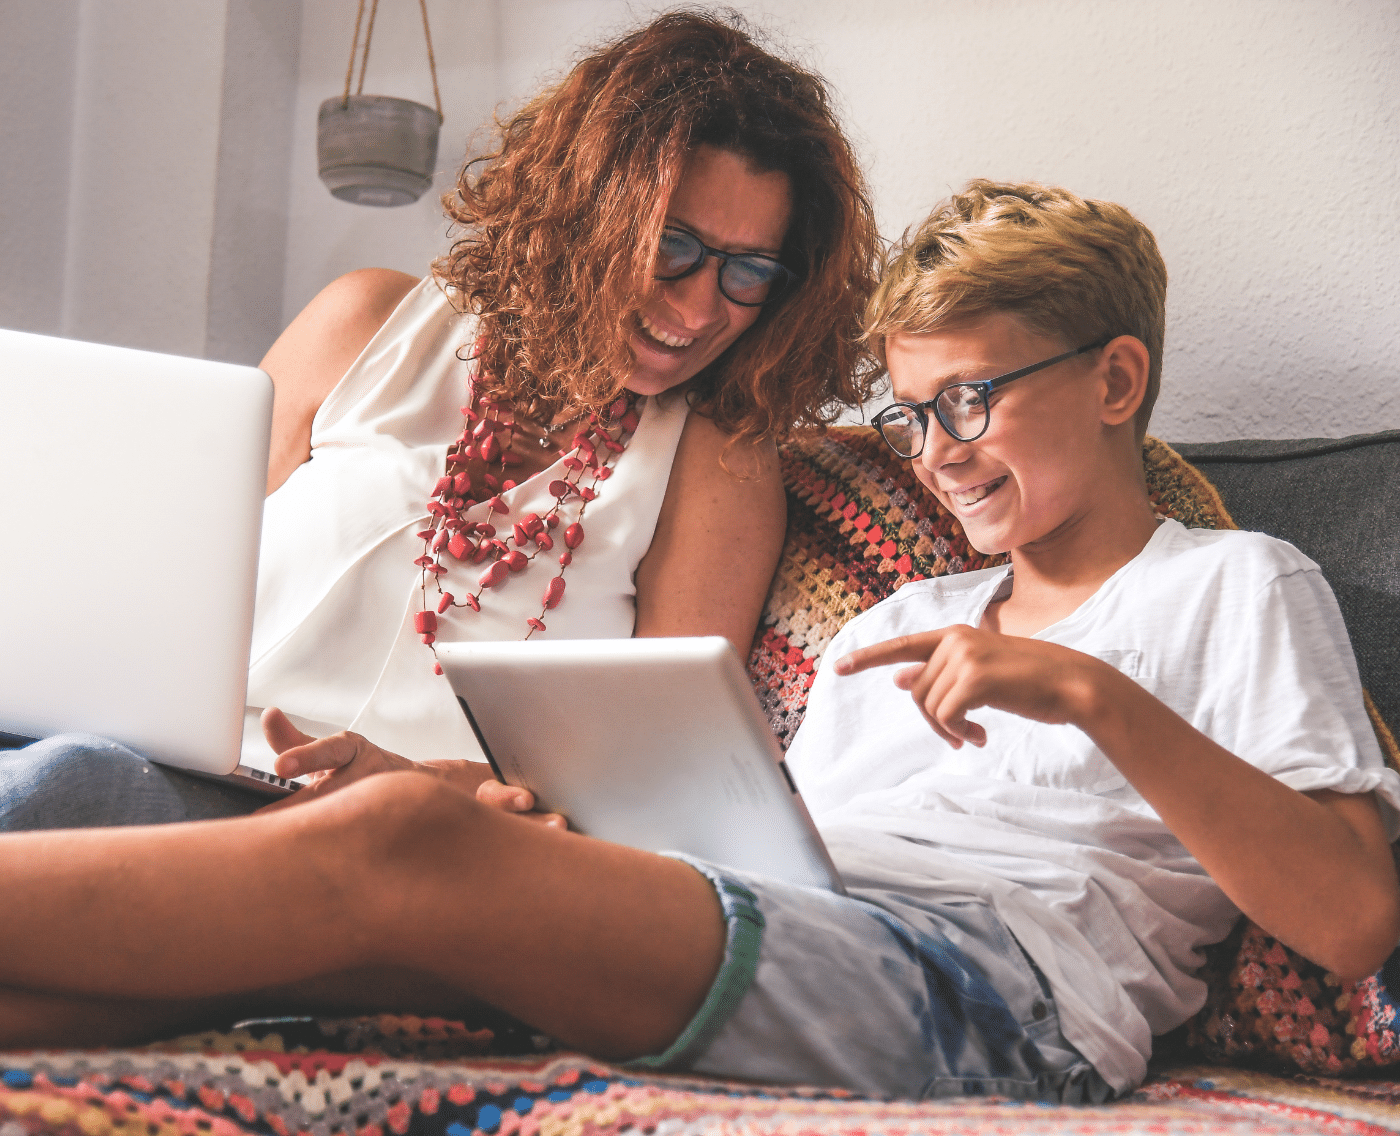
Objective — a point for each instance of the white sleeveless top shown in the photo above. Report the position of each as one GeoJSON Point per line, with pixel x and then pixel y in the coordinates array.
{"type": "Point", "coordinates": [333, 638]}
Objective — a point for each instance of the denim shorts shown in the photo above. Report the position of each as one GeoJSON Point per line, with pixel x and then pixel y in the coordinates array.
{"type": "Point", "coordinates": [878, 994]}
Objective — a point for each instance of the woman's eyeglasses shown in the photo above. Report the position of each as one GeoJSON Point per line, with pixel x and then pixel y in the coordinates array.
{"type": "Point", "coordinates": [748, 279]}
{"type": "Point", "coordinates": [961, 409]}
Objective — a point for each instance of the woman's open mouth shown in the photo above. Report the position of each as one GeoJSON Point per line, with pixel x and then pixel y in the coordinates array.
{"type": "Point", "coordinates": [977, 492]}
{"type": "Point", "coordinates": [657, 335]}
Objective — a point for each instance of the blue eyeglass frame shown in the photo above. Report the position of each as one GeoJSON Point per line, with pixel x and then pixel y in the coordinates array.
{"type": "Point", "coordinates": [781, 283]}
{"type": "Point", "coordinates": [983, 387]}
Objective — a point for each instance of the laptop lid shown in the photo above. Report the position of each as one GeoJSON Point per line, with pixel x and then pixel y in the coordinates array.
{"type": "Point", "coordinates": [659, 744]}
{"type": "Point", "coordinates": [129, 520]}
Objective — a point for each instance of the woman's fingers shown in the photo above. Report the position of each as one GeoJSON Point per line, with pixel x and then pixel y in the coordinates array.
{"type": "Point", "coordinates": [281, 735]}
{"type": "Point", "coordinates": [513, 799]}
{"type": "Point", "coordinates": [299, 753]}
{"type": "Point", "coordinates": [507, 798]}
{"type": "Point", "coordinates": [319, 755]}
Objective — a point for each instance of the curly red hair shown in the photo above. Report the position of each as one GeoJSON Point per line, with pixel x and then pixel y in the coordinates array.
{"type": "Point", "coordinates": [562, 220]}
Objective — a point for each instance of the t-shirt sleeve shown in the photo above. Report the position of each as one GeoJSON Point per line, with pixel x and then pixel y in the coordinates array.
{"type": "Point", "coordinates": [1307, 724]}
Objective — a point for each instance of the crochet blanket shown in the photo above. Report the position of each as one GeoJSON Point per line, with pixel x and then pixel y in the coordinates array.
{"type": "Point", "coordinates": [207, 1087]}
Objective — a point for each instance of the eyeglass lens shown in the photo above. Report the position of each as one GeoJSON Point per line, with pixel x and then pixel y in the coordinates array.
{"type": "Point", "coordinates": [743, 279]}
{"type": "Point", "coordinates": [962, 410]}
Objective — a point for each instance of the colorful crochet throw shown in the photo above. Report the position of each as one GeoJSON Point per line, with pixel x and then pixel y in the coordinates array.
{"type": "Point", "coordinates": [269, 1091]}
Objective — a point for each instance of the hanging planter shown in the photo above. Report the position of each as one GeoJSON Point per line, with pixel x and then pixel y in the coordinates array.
{"type": "Point", "coordinates": [376, 149]}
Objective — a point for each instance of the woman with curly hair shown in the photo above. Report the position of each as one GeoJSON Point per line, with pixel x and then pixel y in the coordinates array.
{"type": "Point", "coordinates": [567, 430]}
{"type": "Point", "coordinates": [662, 270]}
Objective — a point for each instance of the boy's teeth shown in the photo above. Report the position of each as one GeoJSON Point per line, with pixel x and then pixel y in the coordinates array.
{"type": "Point", "coordinates": [972, 496]}
{"type": "Point", "coordinates": [663, 337]}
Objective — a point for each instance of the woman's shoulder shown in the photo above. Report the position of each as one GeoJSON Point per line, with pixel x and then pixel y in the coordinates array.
{"type": "Point", "coordinates": [332, 330]}
{"type": "Point", "coordinates": [316, 349]}
{"type": "Point", "coordinates": [353, 307]}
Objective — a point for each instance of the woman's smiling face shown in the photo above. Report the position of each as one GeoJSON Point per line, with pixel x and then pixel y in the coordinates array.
{"type": "Point", "coordinates": [687, 324]}
{"type": "Point", "coordinates": [1024, 479]}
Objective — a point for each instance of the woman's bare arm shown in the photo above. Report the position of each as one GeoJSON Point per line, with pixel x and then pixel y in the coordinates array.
{"type": "Point", "coordinates": [317, 348]}
{"type": "Point", "coordinates": [717, 540]}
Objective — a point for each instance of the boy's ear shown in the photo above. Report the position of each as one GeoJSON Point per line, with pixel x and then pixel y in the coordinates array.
{"type": "Point", "coordinates": [1126, 364]}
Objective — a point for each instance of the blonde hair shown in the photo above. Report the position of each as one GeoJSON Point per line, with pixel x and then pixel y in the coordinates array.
{"type": "Point", "coordinates": [1070, 268]}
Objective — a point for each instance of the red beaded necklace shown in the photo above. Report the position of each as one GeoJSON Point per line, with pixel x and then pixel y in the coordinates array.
{"type": "Point", "coordinates": [594, 448]}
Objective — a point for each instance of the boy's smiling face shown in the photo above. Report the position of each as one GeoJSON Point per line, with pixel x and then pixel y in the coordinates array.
{"type": "Point", "coordinates": [1033, 474]}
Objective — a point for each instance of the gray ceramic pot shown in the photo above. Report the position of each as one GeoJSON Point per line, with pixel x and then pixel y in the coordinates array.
{"type": "Point", "coordinates": [375, 149]}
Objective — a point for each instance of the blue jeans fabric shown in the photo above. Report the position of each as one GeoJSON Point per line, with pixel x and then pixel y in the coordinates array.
{"type": "Point", "coordinates": [83, 781]}
{"type": "Point", "coordinates": [879, 994]}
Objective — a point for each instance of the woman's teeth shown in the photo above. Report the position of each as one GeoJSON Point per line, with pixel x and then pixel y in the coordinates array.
{"type": "Point", "coordinates": [664, 337]}
{"type": "Point", "coordinates": [972, 496]}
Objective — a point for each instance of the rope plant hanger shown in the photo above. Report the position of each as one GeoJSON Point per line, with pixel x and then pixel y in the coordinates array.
{"type": "Point", "coordinates": [376, 149]}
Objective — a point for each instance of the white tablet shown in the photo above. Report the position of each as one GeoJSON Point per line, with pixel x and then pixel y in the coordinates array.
{"type": "Point", "coordinates": [659, 744]}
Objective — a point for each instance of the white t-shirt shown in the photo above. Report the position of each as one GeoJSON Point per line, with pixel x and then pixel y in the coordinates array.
{"type": "Point", "coordinates": [1237, 632]}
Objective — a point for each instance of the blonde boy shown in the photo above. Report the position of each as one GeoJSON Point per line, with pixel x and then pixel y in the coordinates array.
{"type": "Point", "coordinates": [1167, 727]}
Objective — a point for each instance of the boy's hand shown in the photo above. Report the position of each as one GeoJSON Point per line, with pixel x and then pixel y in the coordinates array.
{"type": "Point", "coordinates": [962, 668]}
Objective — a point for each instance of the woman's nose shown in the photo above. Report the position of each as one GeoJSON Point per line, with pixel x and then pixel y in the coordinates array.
{"type": "Point", "coordinates": [696, 298]}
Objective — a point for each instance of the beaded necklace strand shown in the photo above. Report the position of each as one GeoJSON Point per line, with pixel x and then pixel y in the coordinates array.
{"type": "Point", "coordinates": [486, 435]}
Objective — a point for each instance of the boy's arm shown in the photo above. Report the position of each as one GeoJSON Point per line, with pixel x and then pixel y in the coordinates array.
{"type": "Point", "coordinates": [1313, 869]}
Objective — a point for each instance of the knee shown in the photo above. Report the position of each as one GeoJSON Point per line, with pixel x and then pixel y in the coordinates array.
{"type": "Point", "coordinates": [81, 753]}
{"type": "Point", "coordinates": [399, 820]}
{"type": "Point", "coordinates": [68, 781]}
{"type": "Point", "coordinates": [387, 845]}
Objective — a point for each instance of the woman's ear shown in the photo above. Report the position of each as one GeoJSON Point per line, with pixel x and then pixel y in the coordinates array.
{"type": "Point", "coordinates": [1125, 363]}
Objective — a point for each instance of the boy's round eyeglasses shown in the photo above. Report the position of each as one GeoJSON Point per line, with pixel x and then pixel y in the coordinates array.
{"type": "Point", "coordinates": [961, 409]}
{"type": "Point", "coordinates": [748, 279]}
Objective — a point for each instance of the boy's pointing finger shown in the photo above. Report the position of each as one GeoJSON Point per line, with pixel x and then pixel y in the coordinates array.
{"type": "Point", "coordinates": [904, 649]}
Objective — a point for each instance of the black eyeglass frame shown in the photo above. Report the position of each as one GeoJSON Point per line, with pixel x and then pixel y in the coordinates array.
{"type": "Point", "coordinates": [983, 388]}
{"type": "Point", "coordinates": [782, 282]}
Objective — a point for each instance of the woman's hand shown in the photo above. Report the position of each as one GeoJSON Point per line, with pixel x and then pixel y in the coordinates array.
{"type": "Point", "coordinates": [332, 762]}
{"type": "Point", "coordinates": [336, 761]}
{"type": "Point", "coordinates": [513, 799]}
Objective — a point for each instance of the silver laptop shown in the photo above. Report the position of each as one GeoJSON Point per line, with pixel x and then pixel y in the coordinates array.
{"type": "Point", "coordinates": [130, 516]}
{"type": "Point", "coordinates": [658, 744]}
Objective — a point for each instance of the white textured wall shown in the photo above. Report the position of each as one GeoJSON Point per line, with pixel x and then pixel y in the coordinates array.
{"type": "Point", "coordinates": [1260, 141]}
{"type": "Point", "coordinates": [143, 173]}
{"type": "Point", "coordinates": [38, 52]}
{"type": "Point", "coordinates": [144, 178]}
{"type": "Point", "coordinates": [143, 170]}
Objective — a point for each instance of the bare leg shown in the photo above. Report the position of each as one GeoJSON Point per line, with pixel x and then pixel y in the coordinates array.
{"type": "Point", "coordinates": [606, 948]}
{"type": "Point", "coordinates": [29, 1018]}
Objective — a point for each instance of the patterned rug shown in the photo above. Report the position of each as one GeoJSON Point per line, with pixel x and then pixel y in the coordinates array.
{"type": "Point", "coordinates": [265, 1090]}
